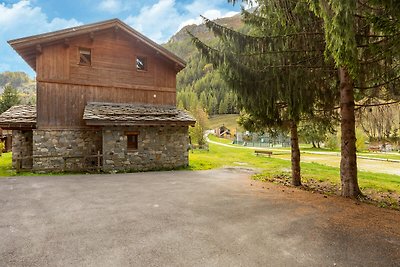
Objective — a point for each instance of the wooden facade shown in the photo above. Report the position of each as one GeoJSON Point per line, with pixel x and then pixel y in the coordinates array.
{"type": "Point", "coordinates": [65, 86]}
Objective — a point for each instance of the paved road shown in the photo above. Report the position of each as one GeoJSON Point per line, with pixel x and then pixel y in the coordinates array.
{"type": "Point", "coordinates": [205, 218]}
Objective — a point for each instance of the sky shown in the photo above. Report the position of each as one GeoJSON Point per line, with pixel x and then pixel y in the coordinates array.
{"type": "Point", "coordinates": [157, 19]}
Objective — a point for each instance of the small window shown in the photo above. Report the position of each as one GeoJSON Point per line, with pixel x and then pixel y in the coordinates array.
{"type": "Point", "coordinates": [141, 63]}
{"type": "Point", "coordinates": [85, 56]}
{"type": "Point", "coordinates": [132, 140]}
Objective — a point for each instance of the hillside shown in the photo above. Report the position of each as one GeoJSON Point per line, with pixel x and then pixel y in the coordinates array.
{"type": "Point", "coordinates": [25, 86]}
{"type": "Point", "coordinates": [181, 45]}
{"type": "Point", "coordinates": [199, 84]}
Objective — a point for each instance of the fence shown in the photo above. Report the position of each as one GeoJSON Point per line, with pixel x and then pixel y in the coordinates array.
{"type": "Point", "coordinates": [255, 140]}
{"type": "Point", "coordinates": [86, 163]}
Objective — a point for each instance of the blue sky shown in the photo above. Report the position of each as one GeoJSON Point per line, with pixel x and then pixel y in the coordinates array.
{"type": "Point", "coordinates": [157, 19]}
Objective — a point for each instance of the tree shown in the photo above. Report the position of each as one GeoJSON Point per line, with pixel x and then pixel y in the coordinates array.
{"type": "Point", "coordinates": [362, 38]}
{"type": "Point", "coordinates": [315, 130]}
{"type": "Point", "coordinates": [196, 133]}
{"type": "Point", "coordinates": [380, 122]}
{"type": "Point", "coordinates": [9, 98]}
{"type": "Point", "coordinates": [265, 70]}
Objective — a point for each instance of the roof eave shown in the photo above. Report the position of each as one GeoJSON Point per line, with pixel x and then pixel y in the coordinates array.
{"type": "Point", "coordinates": [138, 123]}
{"type": "Point", "coordinates": [32, 41]}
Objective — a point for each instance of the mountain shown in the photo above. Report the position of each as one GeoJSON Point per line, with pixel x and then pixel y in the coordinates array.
{"type": "Point", "coordinates": [181, 45]}
{"type": "Point", "coordinates": [199, 84]}
{"type": "Point", "coordinates": [25, 86]}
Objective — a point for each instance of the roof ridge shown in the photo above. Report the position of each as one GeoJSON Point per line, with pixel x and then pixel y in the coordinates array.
{"type": "Point", "coordinates": [21, 44]}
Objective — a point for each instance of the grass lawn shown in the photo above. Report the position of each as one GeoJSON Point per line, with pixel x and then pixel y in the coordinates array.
{"type": "Point", "coordinates": [304, 148]}
{"type": "Point", "coordinates": [220, 156]}
{"type": "Point", "coordinates": [6, 168]}
{"type": "Point", "coordinates": [5, 165]}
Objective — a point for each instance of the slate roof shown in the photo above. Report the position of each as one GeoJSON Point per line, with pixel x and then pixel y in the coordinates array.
{"type": "Point", "coordinates": [114, 114]}
{"type": "Point", "coordinates": [22, 116]}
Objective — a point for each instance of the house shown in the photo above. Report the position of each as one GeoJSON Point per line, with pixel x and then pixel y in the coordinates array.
{"type": "Point", "coordinates": [102, 89]}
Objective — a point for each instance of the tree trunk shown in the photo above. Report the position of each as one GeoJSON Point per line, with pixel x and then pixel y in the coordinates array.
{"type": "Point", "coordinates": [348, 162]}
{"type": "Point", "coordinates": [313, 144]}
{"type": "Point", "coordinates": [296, 178]}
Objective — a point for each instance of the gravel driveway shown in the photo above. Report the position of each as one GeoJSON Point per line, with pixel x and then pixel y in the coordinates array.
{"type": "Point", "coordinates": [183, 218]}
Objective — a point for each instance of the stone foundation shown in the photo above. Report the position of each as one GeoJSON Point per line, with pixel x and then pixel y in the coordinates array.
{"type": "Point", "coordinates": [65, 145]}
{"type": "Point", "coordinates": [158, 148]}
{"type": "Point", "coordinates": [22, 147]}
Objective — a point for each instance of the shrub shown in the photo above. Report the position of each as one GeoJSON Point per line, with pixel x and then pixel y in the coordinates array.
{"type": "Point", "coordinates": [360, 142]}
{"type": "Point", "coordinates": [332, 142]}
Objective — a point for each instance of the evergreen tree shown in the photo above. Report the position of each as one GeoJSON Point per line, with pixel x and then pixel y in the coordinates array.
{"type": "Point", "coordinates": [362, 37]}
{"type": "Point", "coordinates": [9, 98]}
{"type": "Point", "coordinates": [266, 69]}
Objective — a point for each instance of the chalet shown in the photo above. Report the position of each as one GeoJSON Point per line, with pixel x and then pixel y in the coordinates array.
{"type": "Point", "coordinates": [102, 89]}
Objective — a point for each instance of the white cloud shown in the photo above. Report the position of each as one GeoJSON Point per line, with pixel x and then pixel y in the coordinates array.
{"type": "Point", "coordinates": [111, 6]}
{"type": "Point", "coordinates": [23, 19]}
{"type": "Point", "coordinates": [156, 20]}
{"type": "Point", "coordinates": [161, 20]}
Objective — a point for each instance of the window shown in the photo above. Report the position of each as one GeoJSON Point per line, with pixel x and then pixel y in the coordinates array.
{"type": "Point", "coordinates": [85, 56]}
{"type": "Point", "coordinates": [132, 140]}
{"type": "Point", "coordinates": [141, 63]}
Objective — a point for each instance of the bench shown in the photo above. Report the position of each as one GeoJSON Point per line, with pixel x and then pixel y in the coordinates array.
{"type": "Point", "coordinates": [263, 152]}
{"type": "Point", "coordinates": [374, 149]}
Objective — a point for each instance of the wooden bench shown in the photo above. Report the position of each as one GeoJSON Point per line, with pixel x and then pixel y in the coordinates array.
{"type": "Point", "coordinates": [374, 149]}
{"type": "Point", "coordinates": [263, 152]}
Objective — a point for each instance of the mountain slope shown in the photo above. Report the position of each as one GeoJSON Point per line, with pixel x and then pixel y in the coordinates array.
{"type": "Point", "coordinates": [25, 86]}
{"type": "Point", "coordinates": [181, 45]}
{"type": "Point", "coordinates": [199, 84]}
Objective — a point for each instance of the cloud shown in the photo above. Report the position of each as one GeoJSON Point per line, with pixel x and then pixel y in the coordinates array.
{"type": "Point", "coordinates": [156, 21]}
{"type": "Point", "coordinates": [23, 19]}
{"type": "Point", "coordinates": [111, 6]}
{"type": "Point", "coordinates": [164, 18]}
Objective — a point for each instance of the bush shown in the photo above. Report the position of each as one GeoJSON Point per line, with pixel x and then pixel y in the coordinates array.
{"type": "Point", "coordinates": [360, 142]}
{"type": "Point", "coordinates": [332, 142]}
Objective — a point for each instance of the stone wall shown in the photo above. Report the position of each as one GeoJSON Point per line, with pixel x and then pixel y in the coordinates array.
{"type": "Point", "coordinates": [65, 145]}
{"type": "Point", "coordinates": [158, 148]}
{"type": "Point", "coordinates": [22, 147]}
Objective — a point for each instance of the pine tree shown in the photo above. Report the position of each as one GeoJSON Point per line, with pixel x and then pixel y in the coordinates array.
{"type": "Point", "coordinates": [362, 37]}
{"type": "Point", "coordinates": [9, 98]}
{"type": "Point", "coordinates": [266, 69]}
{"type": "Point", "coordinates": [362, 41]}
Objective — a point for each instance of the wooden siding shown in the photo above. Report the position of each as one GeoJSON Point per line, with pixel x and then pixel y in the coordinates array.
{"type": "Point", "coordinates": [64, 87]}
{"type": "Point", "coordinates": [68, 101]}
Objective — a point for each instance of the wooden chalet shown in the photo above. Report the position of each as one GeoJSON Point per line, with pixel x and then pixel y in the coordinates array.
{"type": "Point", "coordinates": [102, 89]}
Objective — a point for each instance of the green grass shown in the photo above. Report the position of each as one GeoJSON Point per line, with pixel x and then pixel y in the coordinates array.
{"type": "Point", "coordinates": [307, 148]}
{"type": "Point", "coordinates": [229, 120]}
{"type": "Point", "coordinates": [220, 156]}
{"type": "Point", "coordinates": [5, 165]}
{"type": "Point", "coordinates": [220, 140]}
{"type": "Point", "coordinates": [6, 168]}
